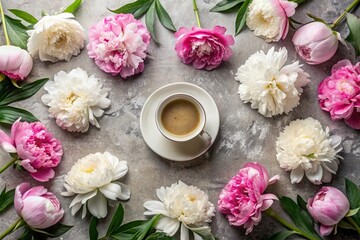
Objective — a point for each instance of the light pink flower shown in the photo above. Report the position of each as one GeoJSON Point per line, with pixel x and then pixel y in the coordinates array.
{"type": "Point", "coordinates": [242, 199]}
{"type": "Point", "coordinates": [16, 63]}
{"type": "Point", "coordinates": [38, 208]}
{"type": "Point", "coordinates": [316, 42]}
{"type": "Point", "coordinates": [203, 48]}
{"type": "Point", "coordinates": [328, 207]}
{"type": "Point", "coordinates": [339, 93]}
{"type": "Point", "coordinates": [269, 19]}
{"type": "Point", "coordinates": [38, 151]}
{"type": "Point", "coordinates": [118, 45]}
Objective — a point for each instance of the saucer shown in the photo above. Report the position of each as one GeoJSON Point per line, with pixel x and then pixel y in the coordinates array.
{"type": "Point", "coordinates": [178, 151]}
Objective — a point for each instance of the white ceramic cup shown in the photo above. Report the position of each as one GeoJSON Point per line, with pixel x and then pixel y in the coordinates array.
{"type": "Point", "coordinates": [199, 129]}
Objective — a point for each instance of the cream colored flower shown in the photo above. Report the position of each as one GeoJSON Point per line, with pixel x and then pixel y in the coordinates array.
{"type": "Point", "coordinates": [75, 100]}
{"type": "Point", "coordinates": [304, 147]}
{"type": "Point", "coordinates": [92, 180]}
{"type": "Point", "coordinates": [268, 85]}
{"type": "Point", "coordinates": [56, 37]}
{"type": "Point", "coordinates": [181, 206]}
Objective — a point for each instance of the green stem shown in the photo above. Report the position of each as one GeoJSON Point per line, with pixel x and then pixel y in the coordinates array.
{"type": "Point", "coordinates": [19, 222]}
{"type": "Point", "coordinates": [4, 24]}
{"type": "Point", "coordinates": [353, 223]}
{"type": "Point", "coordinates": [283, 222]}
{"type": "Point", "coordinates": [196, 10]}
{"type": "Point", "coordinates": [342, 16]}
{"type": "Point", "coordinates": [7, 165]}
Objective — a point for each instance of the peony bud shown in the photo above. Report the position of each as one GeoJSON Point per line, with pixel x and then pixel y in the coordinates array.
{"type": "Point", "coordinates": [316, 42]}
{"type": "Point", "coordinates": [328, 207]}
{"type": "Point", "coordinates": [39, 208]}
{"type": "Point", "coordinates": [16, 63]}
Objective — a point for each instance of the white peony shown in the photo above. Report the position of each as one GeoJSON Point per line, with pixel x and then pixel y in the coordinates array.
{"type": "Point", "coordinates": [75, 100]}
{"type": "Point", "coordinates": [55, 38]}
{"type": "Point", "coordinates": [304, 147]}
{"type": "Point", "coordinates": [181, 206]}
{"type": "Point", "coordinates": [268, 85]}
{"type": "Point", "coordinates": [91, 179]}
{"type": "Point", "coordinates": [269, 19]}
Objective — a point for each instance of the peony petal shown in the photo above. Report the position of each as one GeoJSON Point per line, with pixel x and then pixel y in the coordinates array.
{"type": "Point", "coordinates": [155, 207]}
{"type": "Point", "coordinates": [315, 176]}
{"type": "Point", "coordinates": [326, 230]}
{"type": "Point", "coordinates": [7, 143]}
{"type": "Point", "coordinates": [297, 175]}
{"type": "Point", "coordinates": [125, 192]}
{"type": "Point", "coordinates": [274, 179]}
{"type": "Point", "coordinates": [84, 210]}
{"type": "Point", "coordinates": [111, 190]}
{"type": "Point", "coordinates": [184, 232]}
{"type": "Point", "coordinates": [171, 227]}
{"type": "Point", "coordinates": [18, 197]}
{"type": "Point", "coordinates": [197, 237]}
{"type": "Point", "coordinates": [98, 206]}
{"type": "Point", "coordinates": [75, 208]}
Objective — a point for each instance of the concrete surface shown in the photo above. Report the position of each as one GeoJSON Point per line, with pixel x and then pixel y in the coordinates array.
{"type": "Point", "coordinates": [245, 135]}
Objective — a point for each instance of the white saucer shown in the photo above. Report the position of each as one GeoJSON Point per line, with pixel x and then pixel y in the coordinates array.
{"type": "Point", "coordinates": [172, 150]}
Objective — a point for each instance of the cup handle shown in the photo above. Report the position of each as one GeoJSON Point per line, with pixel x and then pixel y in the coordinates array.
{"type": "Point", "coordinates": [205, 135]}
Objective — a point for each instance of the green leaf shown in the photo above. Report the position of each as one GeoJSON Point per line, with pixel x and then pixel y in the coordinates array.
{"type": "Point", "coordinates": [141, 11]}
{"type": "Point", "coordinates": [6, 199]}
{"type": "Point", "coordinates": [5, 88]}
{"type": "Point", "coordinates": [149, 20]}
{"type": "Point", "coordinates": [24, 16]}
{"type": "Point", "coordinates": [226, 5]}
{"type": "Point", "coordinates": [300, 201]}
{"type": "Point", "coordinates": [282, 235]}
{"type": "Point", "coordinates": [131, 225]}
{"type": "Point", "coordinates": [26, 235]}
{"type": "Point", "coordinates": [345, 225]}
{"type": "Point", "coordinates": [315, 18]}
{"type": "Point", "coordinates": [203, 232]}
{"type": "Point", "coordinates": [116, 220]}
{"type": "Point", "coordinates": [73, 7]}
{"type": "Point", "coordinates": [8, 115]}
{"type": "Point", "coordinates": [17, 94]}
{"type": "Point", "coordinates": [93, 232]}
{"type": "Point", "coordinates": [131, 7]}
{"type": "Point", "coordinates": [159, 236]}
{"type": "Point", "coordinates": [300, 218]}
{"type": "Point", "coordinates": [53, 231]}
{"type": "Point", "coordinates": [352, 212]}
{"type": "Point", "coordinates": [353, 195]}
{"type": "Point", "coordinates": [164, 16]}
{"type": "Point", "coordinates": [144, 229]}
{"type": "Point", "coordinates": [353, 23]}
{"type": "Point", "coordinates": [241, 17]}
{"type": "Point", "coordinates": [17, 32]}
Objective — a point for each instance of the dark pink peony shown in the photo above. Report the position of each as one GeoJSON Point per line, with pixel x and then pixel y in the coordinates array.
{"type": "Point", "coordinates": [38, 151]}
{"type": "Point", "coordinates": [242, 200]}
{"type": "Point", "coordinates": [118, 45]}
{"type": "Point", "coordinates": [339, 93]}
{"type": "Point", "coordinates": [203, 48]}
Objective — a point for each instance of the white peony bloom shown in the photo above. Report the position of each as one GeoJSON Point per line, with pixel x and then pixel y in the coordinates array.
{"type": "Point", "coordinates": [269, 19]}
{"type": "Point", "coordinates": [181, 206]}
{"type": "Point", "coordinates": [304, 147]}
{"type": "Point", "coordinates": [55, 38]}
{"type": "Point", "coordinates": [75, 100]}
{"type": "Point", "coordinates": [91, 179]}
{"type": "Point", "coordinates": [268, 85]}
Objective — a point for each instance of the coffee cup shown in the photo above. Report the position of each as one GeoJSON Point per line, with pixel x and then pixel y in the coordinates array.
{"type": "Point", "coordinates": [181, 118]}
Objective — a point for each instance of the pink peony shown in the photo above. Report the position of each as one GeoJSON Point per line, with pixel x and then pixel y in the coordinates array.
{"type": "Point", "coordinates": [203, 48]}
{"type": "Point", "coordinates": [316, 42]}
{"type": "Point", "coordinates": [118, 44]}
{"type": "Point", "coordinates": [242, 199]}
{"type": "Point", "coordinates": [38, 208]}
{"type": "Point", "coordinates": [16, 63]}
{"type": "Point", "coordinates": [38, 151]}
{"type": "Point", "coordinates": [339, 93]}
{"type": "Point", "coordinates": [328, 207]}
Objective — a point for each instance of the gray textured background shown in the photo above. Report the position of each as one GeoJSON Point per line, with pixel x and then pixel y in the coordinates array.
{"type": "Point", "coordinates": [245, 135]}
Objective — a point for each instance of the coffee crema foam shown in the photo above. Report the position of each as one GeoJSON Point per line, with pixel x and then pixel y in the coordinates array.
{"type": "Point", "coordinates": [180, 117]}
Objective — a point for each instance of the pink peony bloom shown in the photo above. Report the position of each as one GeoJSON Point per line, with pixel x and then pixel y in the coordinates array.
{"type": "Point", "coordinates": [328, 207]}
{"type": "Point", "coordinates": [339, 93]}
{"type": "Point", "coordinates": [16, 63]}
{"type": "Point", "coordinates": [118, 45]}
{"type": "Point", "coordinates": [38, 151]}
{"type": "Point", "coordinates": [203, 48]}
{"type": "Point", "coordinates": [316, 42]}
{"type": "Point", "coordinates": [38, 208]}
{"type": "Point", "coordinates": [242, 199]}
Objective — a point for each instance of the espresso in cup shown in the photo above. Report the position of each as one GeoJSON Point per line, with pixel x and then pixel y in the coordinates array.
{"type": "Point", "coordinates": [180, 117]}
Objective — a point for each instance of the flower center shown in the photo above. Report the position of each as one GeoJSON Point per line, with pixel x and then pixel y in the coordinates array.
{"type": "Point", "coordinates": [345, 86]}
{"type": "Point", "coordinates": [305, 52]}
{"type": "Point", "coordinates": [202, 49]}
{"type": "Point", "coordinates": [71, 98]}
